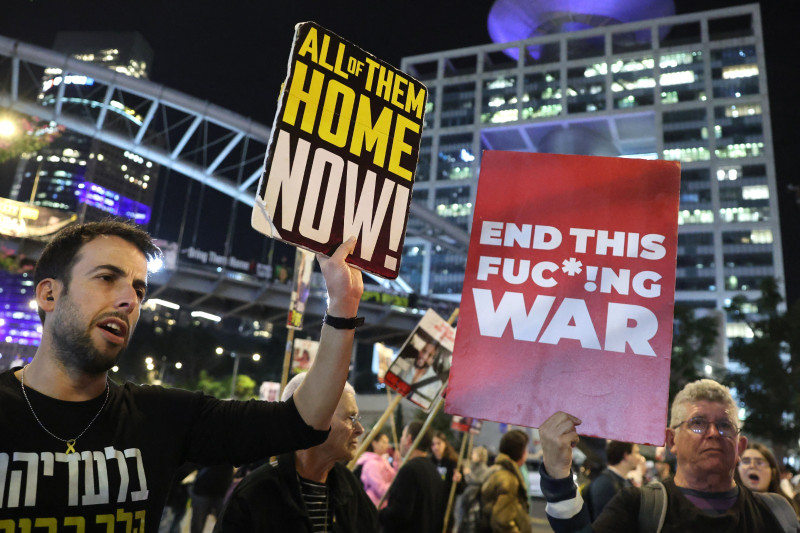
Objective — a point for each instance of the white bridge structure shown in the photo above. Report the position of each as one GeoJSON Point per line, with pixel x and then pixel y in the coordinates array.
{"type": "Point", "coordinates": [205, 142]}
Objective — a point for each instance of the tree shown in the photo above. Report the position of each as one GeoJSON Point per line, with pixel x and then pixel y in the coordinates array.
{"type": "Point", "coordinates": [767, 385]}
{"type": "Point", "coordinates": [692, 340]}
{"type": "Point", "coordinates": [20, 134]}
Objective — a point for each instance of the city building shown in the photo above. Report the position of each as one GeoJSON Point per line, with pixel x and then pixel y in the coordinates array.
{"type": "Point", "coordinates": [690, 88]}
{"type": "Point", "coordinates": [79, 173]}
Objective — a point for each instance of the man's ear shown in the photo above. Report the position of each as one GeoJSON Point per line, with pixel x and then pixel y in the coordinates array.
{"type": "Point", "coordinates": [670, 440]}
{"type": "Point", "coordinates": [47, 291]}
{"type": "Point", "coordinates": [742, 445]}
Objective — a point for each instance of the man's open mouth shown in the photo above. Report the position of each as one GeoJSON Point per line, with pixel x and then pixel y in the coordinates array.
{"type": "Point", "coordinates": [115, 326]}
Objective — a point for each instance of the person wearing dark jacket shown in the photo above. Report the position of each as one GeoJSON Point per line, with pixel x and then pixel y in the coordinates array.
{"type": "Point", "coordinates": [504, 500]}
{"type": "Point", "coordinates": [622, 458]}
{"type": "Point", "coordinates": [208, 492]}
{"type": "Point", "coordinates": [415, 501]}
{"type": "Point", "coordinates": [309, 490]}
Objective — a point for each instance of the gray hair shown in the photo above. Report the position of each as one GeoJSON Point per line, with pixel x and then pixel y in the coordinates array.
{"type": "Point", "coordinates": [702, 390]}
{"type": "Point", "coordinates": [295, 382]}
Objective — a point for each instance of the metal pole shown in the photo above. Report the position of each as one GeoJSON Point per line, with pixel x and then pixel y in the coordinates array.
{"type": "Point", "coordinates": [235, 372]}
{"type": "Point", "coordinates": [287, 359]}
{"type": "Point", "coordinates": [453, 484]}
{"type": "Point", "coordinates": [394, 425]}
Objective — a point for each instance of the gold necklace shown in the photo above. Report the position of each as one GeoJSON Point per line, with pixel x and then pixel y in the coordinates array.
{"type": "Point", "coordinates": [70, 442]}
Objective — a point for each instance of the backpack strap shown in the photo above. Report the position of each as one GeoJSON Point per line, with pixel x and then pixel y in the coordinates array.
{"type": "Point", "coordinates": [652, 507]}
{"type": "Point", "coordinates": [780, 508]}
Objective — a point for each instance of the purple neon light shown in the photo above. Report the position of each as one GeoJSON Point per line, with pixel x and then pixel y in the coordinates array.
{"type": "Point", "coordinates": [114, 203]}
{"type": "Point", "coordinates": [515, 20]}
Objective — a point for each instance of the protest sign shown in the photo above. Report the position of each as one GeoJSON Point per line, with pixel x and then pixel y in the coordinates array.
{"type": "Point", "coordinates": [383, 355]}
{"type": "Point", "coordinates": [305, 351]}
{"type": "Point", "coordinates": [303, 268]}
{"type": "Point", "coordinates": [342, 153]}
{"type": "Point", "coordinates": [420, 370]}
{"type": "Point", "coordinates": [568, 294]}
{"type": "Point", "coordinates": [464, 425]}
{"type": "Point", "coordinates": [270, 391]}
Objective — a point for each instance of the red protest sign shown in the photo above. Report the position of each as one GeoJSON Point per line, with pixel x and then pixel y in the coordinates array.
{"type": "Point", "coordinates": [568, 294]}
{"type": "Point", "coordinates": [342, 153]}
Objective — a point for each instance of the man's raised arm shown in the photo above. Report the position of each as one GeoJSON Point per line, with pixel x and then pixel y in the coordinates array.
{"type": "Point", "coordinates": [565, 509]}
{"type": "Point", "coordinates": [317, 397]}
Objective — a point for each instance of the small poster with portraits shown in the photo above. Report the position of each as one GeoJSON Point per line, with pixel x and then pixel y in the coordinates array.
{"type": "Point", "coordinates": [303, 268]}
{"type": "Point", "coordinates": [270, 391]}
{"type": "Point", "coordinates": [421, 368]}
{"type": "Point", "coordinates": [384, 356]}
{"type": "Point", "coordinates": [303, 354]}
{"type": "Point", "coordinates": [466, 425]}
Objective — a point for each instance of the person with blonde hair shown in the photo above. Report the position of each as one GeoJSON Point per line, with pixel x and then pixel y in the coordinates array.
{"type": "Point", "coordinates": [704, 435]}
{"type": "Point", "coordinates": [309, 487]}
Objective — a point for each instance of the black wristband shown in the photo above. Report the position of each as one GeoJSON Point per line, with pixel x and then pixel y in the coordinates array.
{"type": "Point", "coordinates": [343, 323]}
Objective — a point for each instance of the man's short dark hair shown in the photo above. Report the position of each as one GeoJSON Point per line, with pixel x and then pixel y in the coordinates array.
{"type": "Point", "coordinates": [61, 253]}
{"type": "Point", "coordinates": [514, 443]}
{"type": "Point", "coordinates": [616, 450]}
{"type": "Point", "coordinates": [427, 438]}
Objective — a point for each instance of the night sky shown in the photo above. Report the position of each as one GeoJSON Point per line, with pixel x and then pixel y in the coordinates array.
{"type": "Point", "coordinates": [234, 53]}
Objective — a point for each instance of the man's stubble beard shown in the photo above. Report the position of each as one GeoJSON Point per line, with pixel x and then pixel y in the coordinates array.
{"type": "Point", "coordinates": [73, 344]}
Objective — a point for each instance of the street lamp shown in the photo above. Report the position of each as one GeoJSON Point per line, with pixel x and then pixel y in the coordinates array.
{"type": "Point", "coordinates": [220, 350]}
{"type": "Point", "coordinates": [7, 128]}
{"type": "Point", "coordinates": [150, 364]}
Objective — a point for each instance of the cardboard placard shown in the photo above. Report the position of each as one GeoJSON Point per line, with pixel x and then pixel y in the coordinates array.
{"type": "Point", "coordinates": [464, 425]}
{"type": "Point", "coordinates": [568, 294]}
{"type": "Point", "coordinates": [270, 391]}
{"type": "Point", "coordinates": [342, 153]}
{"type": "Point", "coordinates": [421, 367]}
{"type": "Point", "coordinates": [303, 355]}
{"type": "Point", "coordinates": [303, 268]}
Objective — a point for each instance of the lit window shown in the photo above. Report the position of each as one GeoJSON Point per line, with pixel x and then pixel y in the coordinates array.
{"type": "Point", "coordinates": [678, 78]}
{"type": "Point", "coordinates": [755, 192]}
{"type": "Point", "coordinates": [739, 71]}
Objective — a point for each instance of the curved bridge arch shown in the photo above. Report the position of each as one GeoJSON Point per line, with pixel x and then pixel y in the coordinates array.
{"type": "Point", "coordinates": [219, 148]}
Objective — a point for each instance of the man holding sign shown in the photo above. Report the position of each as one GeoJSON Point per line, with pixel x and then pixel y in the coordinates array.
{"type": "Point", "coordinates": [80, 451]}
{"type": "Point", "coordinates": [568, 294]}
{"type": "Point", "coordinates": [703, 496]}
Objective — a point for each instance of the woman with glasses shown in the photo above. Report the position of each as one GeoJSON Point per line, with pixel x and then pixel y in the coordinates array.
{"type": "Point", "coordinates": [758, 471]}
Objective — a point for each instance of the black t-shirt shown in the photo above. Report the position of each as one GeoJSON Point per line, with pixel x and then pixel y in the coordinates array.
{"type": "Point", "coordinates": [120, 475]}
{"type": "Point", "coordinates": [416, 499]}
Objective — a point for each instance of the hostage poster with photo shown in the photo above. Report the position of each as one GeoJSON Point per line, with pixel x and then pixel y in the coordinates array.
{"type": "Point", "coordinates": [270, 391]}
{"type": "Point", "coordinates": [342, 153]}
{"type": "Point", "coordinates": [303, 268]}
{"type": "Point", "coordinates": [464, 425]}
{"type": "Point", "coordinates": [421, 367]}
{"type": "Point", "coordinates": [568, 294]}
{"type": "Point", "coordinates": [303, 354]}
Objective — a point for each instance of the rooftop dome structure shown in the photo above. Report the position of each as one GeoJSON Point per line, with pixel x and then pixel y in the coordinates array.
{"type": "Point", "coordinates": [514, 20]}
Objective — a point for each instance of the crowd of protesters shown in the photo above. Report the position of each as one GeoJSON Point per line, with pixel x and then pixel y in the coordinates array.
{"type": "Point", "coordinates": [61, 410]}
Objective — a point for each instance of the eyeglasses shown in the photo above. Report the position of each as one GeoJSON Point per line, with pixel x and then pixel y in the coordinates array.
{"type": "Point", "coordinates": [700, 425]}
{"type": "Point", "coordinates": [759, 462]}
{"type": "Point", "coordinates": [354, 419]}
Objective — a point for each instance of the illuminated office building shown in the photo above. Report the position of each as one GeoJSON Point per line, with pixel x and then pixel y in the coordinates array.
{"type": "Point", "coordinates": [76, 172]}
{"type": "Point", "coordinates": [690, 88]}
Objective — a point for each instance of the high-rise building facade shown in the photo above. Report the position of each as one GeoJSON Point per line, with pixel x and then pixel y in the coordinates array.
{"type": "Point", "coordinates": [690, 88]}
{"type": "Point", "coordinates": [79, 173]}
